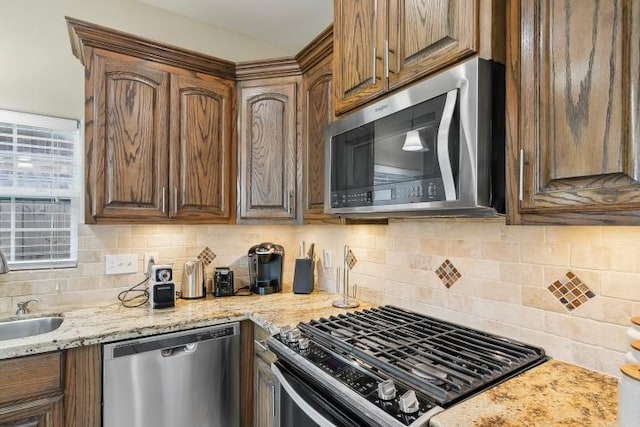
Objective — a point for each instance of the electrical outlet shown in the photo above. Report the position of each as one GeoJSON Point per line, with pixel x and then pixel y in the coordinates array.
{"type": "Point", "coordinates": [147, 257]}
{"type": "Point", "coordinates": [121, 264]}
{"type": "Point", "coordinates": [326, 257]}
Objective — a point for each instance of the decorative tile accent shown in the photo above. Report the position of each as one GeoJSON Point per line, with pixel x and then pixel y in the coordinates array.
{"type": "Point", "coordinates": [448, 273]}
{"type": "Point", "coordinates": [207, 256]}
{"type": "Point", "coordinates": [351, 259]}
{"type": "Point", "coordinates": [571, 291]}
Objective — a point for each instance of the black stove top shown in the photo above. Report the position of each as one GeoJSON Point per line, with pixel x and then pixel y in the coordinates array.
{"type": "Point", "coordinates": [403, 362]}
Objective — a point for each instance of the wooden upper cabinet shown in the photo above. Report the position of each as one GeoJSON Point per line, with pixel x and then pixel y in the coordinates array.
{"type": "Point", "coordinates": [359, 30]}
{"type": "Point", "coordinates": [572, 109]}
{"type": "Point", "coordinates": [425, 36]}
{"type": "Point", "coordinates": [159, 130]}
{"type": "Point", "coordinates": [268, 149]}
{"type": "Point", "coordinates": [318, 113]}
{"type": "Point", "coordinates": [200, 160]}
{"type": "Point", "coordinates": [381, 45]}
{"type": "Point", "coordinates": [127, 137]}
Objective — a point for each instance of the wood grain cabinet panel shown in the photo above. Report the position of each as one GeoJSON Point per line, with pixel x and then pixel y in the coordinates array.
{"type": "Point", "coordinates": [382, 45]}
{"type": "Point", "coordinates": [127, 148]}
{"type": "Point", "coordinates": [159, 142]}
{"type": "Point", "coordinates": [268, 149]}
{"type": "Point", "coordinates": [359, 31]}
{"type": "Point", "coordinates": [318, 113]}
{"type": "Point", "coordinates": [32, 391]}
{"type": "Point", "coordinates": [572, 88]}
{"type": "Point", "coordinates": [200, 159]}
{"type": "Point", "coordinates": [425, 36]}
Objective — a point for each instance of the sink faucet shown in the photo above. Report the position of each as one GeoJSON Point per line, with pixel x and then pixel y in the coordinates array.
{"type": "Point", "coordinates": [23, 306]}
{"type": "Point", "coordinates": [4, 266]}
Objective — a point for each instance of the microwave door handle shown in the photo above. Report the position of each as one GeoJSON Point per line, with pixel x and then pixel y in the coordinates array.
{"type": "Point", "coordinates": [302, 404]}
{"type": "Point", "coordinates": [443, 145]}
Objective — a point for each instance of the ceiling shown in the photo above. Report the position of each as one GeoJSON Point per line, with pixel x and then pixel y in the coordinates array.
{"type": "Point", "coordinates": [287, 24]}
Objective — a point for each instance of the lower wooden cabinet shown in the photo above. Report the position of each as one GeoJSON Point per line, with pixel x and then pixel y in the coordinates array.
{"type": "Point", "coordinates": [59, 389]}
{"type": "Point", "coordinates": [32, 391]}
{"type": "Point", "coordinates": [266, 390]}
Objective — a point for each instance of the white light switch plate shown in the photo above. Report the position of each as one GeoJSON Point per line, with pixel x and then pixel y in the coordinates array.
{"type": "Point", "coordinates": [326, 255]}
{"type": "Point", "coordinates": [121, 264]}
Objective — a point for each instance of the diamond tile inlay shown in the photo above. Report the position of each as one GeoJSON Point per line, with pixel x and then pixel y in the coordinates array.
{"type": "Point", "coordinates": [571, 291]}
{"type": "Point", "coordinates": [448, 273]}
{"type": "Point", "coordinates": [207, 256]}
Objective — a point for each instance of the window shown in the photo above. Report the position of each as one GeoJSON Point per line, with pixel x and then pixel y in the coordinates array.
{"type": "Point", "coordinates": [39, 190]}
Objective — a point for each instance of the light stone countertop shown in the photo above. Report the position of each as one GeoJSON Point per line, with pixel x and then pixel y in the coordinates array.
{"type": "Point", "coordinates": [101, 324]}
{"type": "Point", "coordinates": [552, 394]}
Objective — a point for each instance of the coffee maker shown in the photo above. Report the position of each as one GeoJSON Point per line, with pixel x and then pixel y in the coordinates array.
{"type": "Point", "coordinates": [266, 262]}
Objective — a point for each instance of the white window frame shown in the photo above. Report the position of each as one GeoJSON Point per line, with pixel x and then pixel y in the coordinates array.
{"type": "Point", "coordinates": [74, 195]}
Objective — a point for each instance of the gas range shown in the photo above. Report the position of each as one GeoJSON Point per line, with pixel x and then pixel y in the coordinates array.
{"type": "Point", "coordinates": [395, 367]}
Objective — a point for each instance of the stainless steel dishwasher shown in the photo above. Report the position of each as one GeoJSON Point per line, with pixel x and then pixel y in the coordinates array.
{"type": "Point", "coordinates": [188, 378]}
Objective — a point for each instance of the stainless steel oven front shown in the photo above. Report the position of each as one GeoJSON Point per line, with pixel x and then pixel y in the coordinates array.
{"type": "Point", "coordinates": [434, 148]}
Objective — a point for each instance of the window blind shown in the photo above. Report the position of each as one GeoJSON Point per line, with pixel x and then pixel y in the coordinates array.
{"type": "Point", "coordinates": [39, 190]}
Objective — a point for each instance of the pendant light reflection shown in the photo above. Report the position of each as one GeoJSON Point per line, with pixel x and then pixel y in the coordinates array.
{"type": "Point", "coordinates": [413, 142]}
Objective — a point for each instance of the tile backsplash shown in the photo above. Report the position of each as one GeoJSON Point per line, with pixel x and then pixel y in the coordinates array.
{"type": "Point", "coordinates": [570, 290]}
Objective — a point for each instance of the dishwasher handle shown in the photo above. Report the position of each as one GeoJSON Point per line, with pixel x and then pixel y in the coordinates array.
{"type": "Point", "coordinates": [182, 349]}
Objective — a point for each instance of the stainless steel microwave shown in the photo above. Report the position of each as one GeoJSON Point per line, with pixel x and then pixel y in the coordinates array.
{"type": "Point", "coordinates": [433, 149]}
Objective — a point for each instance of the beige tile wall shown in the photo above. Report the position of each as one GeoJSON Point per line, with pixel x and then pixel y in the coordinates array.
{"type": "Point", "coordinates": [503, 289]}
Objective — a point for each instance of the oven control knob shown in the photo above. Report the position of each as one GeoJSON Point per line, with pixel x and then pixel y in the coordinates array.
{"type": "Point", "coordinates": [387, 390]}
{"type": "Point", "coordinates": [408, 402]}
{"type": "Point", "coordinates": [303, 343]}
{"type": "Point", "coordinates": [284, 331]}
{"type": "Point", "coordinates": [293, 335]}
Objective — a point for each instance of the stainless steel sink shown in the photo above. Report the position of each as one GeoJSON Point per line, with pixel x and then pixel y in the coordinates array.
{"type": "Point", "coordinates": [21, 328]}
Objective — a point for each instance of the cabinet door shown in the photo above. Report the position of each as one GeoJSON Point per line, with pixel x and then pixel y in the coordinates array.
{"type": "Point", "coordinates": [268, 149]}
{"type": "Point", "coordinates": [359, 31]}
{"type": "Point", "coordinates": [126, 145]}
{"type": "Point", "coordinates": [200, 160]}
{"type": "Point", "coordinates": [573, 96]}
{"type": "Point", "coordinates": [316, 115]}
{"type": "Point", "coordinates": [265, 396]}
{"type": "Point", "coordinates": [32, 391]}
{"type": "Point", "coordinates": [45, 412]}
{"type": "Point", "coordinates": [427, 36]}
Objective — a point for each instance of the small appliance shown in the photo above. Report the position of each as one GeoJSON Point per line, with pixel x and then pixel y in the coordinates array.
{"type": "Point", "coordinates": [435, 148]}
{"type": "Point", "coordinates": [162, 290]}
{"type": "Point", "coordinates": [266, 261]}
{"type": "Point", "coordinates": [223, 282]}
{"type": "Point", "coordinates": [193, 281]}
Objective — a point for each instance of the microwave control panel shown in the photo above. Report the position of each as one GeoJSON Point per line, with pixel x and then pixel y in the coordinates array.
{"type": "Point", "coordinates": [425, 190]}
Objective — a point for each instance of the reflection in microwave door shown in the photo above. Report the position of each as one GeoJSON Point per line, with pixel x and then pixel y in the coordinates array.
{"type": "Point", "coordinates": [383, 174]}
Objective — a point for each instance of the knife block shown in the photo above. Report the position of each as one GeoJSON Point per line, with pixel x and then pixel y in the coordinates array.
{"type": "Point", "coordinates": [303, 276]}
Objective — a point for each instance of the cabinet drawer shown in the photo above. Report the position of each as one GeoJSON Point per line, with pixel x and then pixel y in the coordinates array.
{"type": "Point", "coordinates": [30, 376]}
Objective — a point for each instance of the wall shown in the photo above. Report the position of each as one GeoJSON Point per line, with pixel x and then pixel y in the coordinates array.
{"type": "Point", "coordinates": [40, 74]}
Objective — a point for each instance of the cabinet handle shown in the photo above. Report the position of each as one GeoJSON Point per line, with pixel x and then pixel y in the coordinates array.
{"type": "Point", "coordinates": [290, 200]}
{"type": "Point", "coordinates": [375, 18]}
{"type": "Point", "coordinates": [386, 59]}
{"type": "Point", "coordinates": [163, 194]}
{"type": "Point", "coordinates": [373, 76]}
{"type": "Point", "coordinates": [521, 177]}
{"type": "Point", "coordinates": [273, 401]}
{"type": "Point", "coordinates": [175, 200]}
{"type": "Point", "coordinates": [261, 345]}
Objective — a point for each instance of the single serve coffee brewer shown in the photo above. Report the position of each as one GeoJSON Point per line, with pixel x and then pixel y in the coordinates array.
{"type": "Point", "coordinates": [266, 262]}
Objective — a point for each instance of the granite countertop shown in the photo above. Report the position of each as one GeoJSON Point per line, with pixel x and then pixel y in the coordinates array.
{"type": "Point", "coordinates": [552, 394]}
{"type": "Point", "coordinates": [97, 325]}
